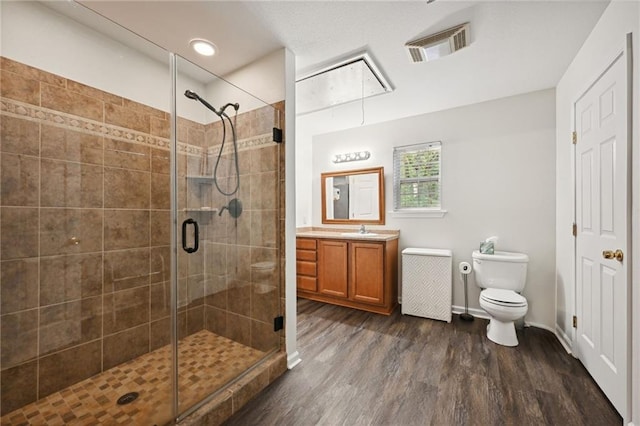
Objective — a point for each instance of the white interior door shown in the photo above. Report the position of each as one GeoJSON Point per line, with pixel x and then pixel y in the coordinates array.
{"type": "Point", "coordinates": [363, 196]}
{"type": "Point", "coordinates": [601, 117]}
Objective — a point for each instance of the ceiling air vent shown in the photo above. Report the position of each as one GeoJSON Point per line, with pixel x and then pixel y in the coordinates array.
{"type": "Point", "coordinates": [441, 44]}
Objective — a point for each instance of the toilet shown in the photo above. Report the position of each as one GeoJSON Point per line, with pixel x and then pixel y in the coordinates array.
{"type": "Point", "coordinates": [502, 276]}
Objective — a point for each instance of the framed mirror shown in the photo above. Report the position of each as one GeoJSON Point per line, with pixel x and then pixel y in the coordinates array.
{"type": "Point", "coordinates": [353, 196]}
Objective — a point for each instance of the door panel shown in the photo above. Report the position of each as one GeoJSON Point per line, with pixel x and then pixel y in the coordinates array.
{"type": "Point", "coordinates": [367, 272]}
{"type": "Point", "coordinates": [332, 268]}
{"type": "Point", "coordinates": [602, 219]}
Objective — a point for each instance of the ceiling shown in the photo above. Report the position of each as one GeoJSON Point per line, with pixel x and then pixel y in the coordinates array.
{"type": "Point", "coordinates": [516, 46]}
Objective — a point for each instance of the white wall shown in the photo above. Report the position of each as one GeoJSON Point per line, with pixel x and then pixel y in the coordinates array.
{"type": "Point", "coordinates": [498, 178]}
{"type": "Point", "coordinates": [605, 42]}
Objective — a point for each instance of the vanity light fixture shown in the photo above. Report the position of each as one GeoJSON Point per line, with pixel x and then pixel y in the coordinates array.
{"type": "Point", "coordinates": [351, 156]}
{"type": "Point", "coordinates": [203, 47]}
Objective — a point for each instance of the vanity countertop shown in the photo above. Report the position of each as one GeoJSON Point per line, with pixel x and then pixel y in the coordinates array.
{"type": "Point", "coordinates": [348, 233]}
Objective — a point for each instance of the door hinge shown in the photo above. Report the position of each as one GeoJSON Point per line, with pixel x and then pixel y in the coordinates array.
{"type": "Point", "coordinates": [574, 230]}
{"type": "Point", "coordinates": [575, 321]}
{"type": "Point", "coordinates": [278, 323]}
{"type": "Point", "coordinates": [574, 138]}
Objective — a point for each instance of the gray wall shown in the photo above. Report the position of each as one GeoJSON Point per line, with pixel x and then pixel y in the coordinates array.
{"type": "Point", "coordinates": [498, 178]}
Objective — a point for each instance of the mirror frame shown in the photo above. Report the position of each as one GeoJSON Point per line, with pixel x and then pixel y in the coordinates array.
{"type": "Point", "coordinates": [379, 171]}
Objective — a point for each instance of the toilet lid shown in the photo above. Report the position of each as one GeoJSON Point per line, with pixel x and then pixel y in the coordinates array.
{"type": "Point", "coordinates": [503, 297]}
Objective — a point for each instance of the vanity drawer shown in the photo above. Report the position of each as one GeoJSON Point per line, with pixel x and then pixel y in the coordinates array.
{"type": "Point", "coordinates": [309, 255]}
{"type": "Point", "coordinates": [306, 268]}
{"type": "Point", "coordinates": [307, 283]}
{"type": "Point", "coordinates": [306, 243]}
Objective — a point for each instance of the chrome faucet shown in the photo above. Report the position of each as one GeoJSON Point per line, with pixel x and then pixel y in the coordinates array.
{"type": "Point", "coordinates": [362, 230]}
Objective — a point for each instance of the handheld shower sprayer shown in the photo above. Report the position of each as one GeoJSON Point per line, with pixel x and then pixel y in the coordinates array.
{"type": "Point", "coordinates": [220, 113]}
{"type": "Point", "coordinates": [193, 95]}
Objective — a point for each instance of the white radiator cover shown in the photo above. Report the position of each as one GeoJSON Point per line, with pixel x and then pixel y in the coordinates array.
{"type": "Point", "coordinates": [426, 283]}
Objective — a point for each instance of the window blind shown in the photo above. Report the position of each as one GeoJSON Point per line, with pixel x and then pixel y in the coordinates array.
{"type": "Point", "coordinates": [416, 176]}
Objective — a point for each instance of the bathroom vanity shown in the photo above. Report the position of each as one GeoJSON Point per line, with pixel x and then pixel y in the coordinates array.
{"type": "Point", "coordinates": [348, 269]}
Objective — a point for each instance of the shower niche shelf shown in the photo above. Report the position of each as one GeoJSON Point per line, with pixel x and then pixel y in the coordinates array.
{"type": "Point", "coordinates": [201, 209]}
{"type": "Point", "coordinates": [201, 179]}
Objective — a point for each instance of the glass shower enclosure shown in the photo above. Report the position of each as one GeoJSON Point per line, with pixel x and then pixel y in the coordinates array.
{"type": "Point", "coordinates": [139, 229]}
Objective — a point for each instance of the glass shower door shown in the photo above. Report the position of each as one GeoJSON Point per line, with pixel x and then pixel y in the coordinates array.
{"type": "Point", "coordinates": [228, 220]}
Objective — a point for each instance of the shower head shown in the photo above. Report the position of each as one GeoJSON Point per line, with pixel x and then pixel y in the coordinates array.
{"type": "Point", "coordinates": [191, 95]}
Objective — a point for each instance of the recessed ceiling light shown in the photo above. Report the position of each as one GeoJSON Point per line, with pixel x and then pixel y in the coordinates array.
{"type": "Point", "coordinates": [203, 47]}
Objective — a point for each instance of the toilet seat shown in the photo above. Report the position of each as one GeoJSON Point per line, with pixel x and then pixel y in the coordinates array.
{"type": "Point", "coordinates": [502, 297]}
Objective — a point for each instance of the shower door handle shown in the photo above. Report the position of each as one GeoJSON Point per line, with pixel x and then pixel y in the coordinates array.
{"type": "Point", "coordinates": [196, 236]}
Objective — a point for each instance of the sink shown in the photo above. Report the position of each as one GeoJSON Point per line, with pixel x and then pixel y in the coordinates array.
{"type": "Point", "coordinates": [357, 234]}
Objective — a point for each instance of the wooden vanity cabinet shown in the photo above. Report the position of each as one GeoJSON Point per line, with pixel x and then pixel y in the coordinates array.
{"type": "Point", "coordinates": [332, 268]}
{"type": "Point", "coordinates": [306, 265]}
{"type": "Point", "coordinates": [354, 273]}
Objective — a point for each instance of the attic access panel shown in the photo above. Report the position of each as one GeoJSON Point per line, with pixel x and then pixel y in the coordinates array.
{"type": "Point", "coordinates": [350, 80]}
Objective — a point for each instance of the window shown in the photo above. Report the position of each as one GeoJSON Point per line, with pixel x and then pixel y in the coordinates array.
{"type": "Point", "coordinates": [416, 177]}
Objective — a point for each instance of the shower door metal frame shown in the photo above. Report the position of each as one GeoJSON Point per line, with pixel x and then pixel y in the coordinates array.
{"type": "Point", "coordinates": [173, 164]}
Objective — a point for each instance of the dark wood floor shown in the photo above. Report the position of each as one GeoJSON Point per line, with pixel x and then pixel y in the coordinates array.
{"type": "Point", "coordinates": [361, 368]}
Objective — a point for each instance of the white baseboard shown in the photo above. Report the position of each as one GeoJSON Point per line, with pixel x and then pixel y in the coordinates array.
{"type": "Point", "coordinates": [293, 360]}
{"type": "Point", "coordinates": [565, 340]}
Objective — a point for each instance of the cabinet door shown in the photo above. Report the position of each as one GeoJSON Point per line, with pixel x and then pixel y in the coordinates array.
{"type": "Point", "coordinates": [332, 268]}
{"type": "Point", "coordinates": [367, 272]}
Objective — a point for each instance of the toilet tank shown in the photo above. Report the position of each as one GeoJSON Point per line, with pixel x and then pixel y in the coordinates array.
{"type": "Point", "coordinates": [506, 270]}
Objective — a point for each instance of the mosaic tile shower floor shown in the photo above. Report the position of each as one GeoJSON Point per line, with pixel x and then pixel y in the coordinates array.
{"type": "Point", "coordinates": [206, 362]}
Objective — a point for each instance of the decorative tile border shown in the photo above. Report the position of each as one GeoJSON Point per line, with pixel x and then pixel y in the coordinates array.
{"type": "Point", "coordinates": [26, 111]}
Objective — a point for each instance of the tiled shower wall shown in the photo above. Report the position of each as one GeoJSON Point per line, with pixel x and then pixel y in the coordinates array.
{"type": "Point", "coordinates": [85, 228]}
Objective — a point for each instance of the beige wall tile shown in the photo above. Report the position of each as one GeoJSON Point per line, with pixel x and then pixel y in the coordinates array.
{"type": "Point", "coordinates": [18, 227]}
{"type": "Point", "coordinates": [17, 386]}
{"type": "Point", "coordinates": [122, 347]}
{"type": "Point", "coordinates": [92, 92]}
{"type": "Point", "coordinates": [66, 144]}
{"type": "Point", "coordinates": [160, 127]}
{"type": "Point", "coordinates": [19, 337]}
{"type": "Point", "coordinates": [70, 324]}
{"type": "Point", "coordinates": [263, 191]}
{"type": "Point", "coordinates": [160, 227]}
{"type": "Point", "coordinates": [263, 337]}
{"type": "Point", "coordinates": [160, 301]}
{"type": "Point", "coordinates": [127, 155]}
{"type": "Point", "coordinates": [127, 118]}
{"type": "Point", "coordinates": [126, 309]}
{"type": "Point", "coordinates": [160, 161]}
{"type": "Point", "coordinates": [264, 159]}
{"type": "Point", "coordinates": [65, 184]}
{"type": "Point", "coordinates": [31, 73]}
{"type": "Point", "coordinates": [66, 278]}
{"type": "Point", "coordinates": [216, 321]}
{"type": "Point", "coordinates": [265, 302]}
{"type": "Point", "coordinates": [19, 136]}
{"type": "Point", "coordinates": [239, 328]}
{"type": "Point", "coordinates": [19, 285]}
{"type": "Point", "coordinates": [19, 180]}
{"type": "Point", "coordinates": [59, 370]}
{"type": "Point", "coordinates": [263, 228]}
{"type": "Point", "coordinates": [125, 269]}
{"type": "Point", "coordinates": [160, 264]}
{"type": "Point", "coordinates": [61, 99]}
{"type": "Point", "coordinates": [160, 334]}
{"type": "Point", "coordinates": [145, 109]}
{"type": "Point", "coordinates": [195, 320]}
{"type": "Point", "coordinates": [239, 297]}
{"type": "Point", "coordinates": [68, 231]}
{"type": "Point", "coordinates": [160, 191]}
{"type": "Point", "coordinates": [216, 291]}
{"type": "Point", "coordinates": [19, 88]}
{"type": "Point", "coordinates": [195, 290]}
{"type": "Point", "coordinates": [126, 189]}
{"type": "Point", "coordinates": [126, 229]}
